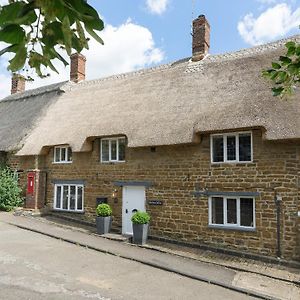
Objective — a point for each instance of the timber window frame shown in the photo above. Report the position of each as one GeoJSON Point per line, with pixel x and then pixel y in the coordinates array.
{"type": "Point", "coordinates": [112, 150]}
{"type": "Point", "coordinates": [69, 197]}
{"type": "Point", "coordinates": [62, 155]}
{"type": "Point", "coordinates": [232, 212]}
{"type": "Point", "coordinates": [228, 147]}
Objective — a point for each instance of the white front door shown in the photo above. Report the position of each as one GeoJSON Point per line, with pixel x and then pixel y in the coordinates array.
{"type": "Point", "coordinates": [133, 199]}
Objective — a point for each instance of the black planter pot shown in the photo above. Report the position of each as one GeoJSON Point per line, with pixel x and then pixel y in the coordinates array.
{"type": "Point", "coordinates": [140, 233]}
{"type": "Point", "coordinates": [103, 224]}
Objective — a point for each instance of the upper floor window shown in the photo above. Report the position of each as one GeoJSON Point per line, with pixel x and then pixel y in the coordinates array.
{"type": "Point", "coordinates": [232, 212]}
{"type": "Point", "coordinates": [113, 149]}
{"type": "Point", "coordinates": [231, 147]}
{"type": "Point", "coordinates": [62, 154]}
{"type": "Point", "coordinates": [68, 197]}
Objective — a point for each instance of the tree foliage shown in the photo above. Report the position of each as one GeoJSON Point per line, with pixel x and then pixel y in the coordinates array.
{"type": "Point", "coordinates": [37, 30]}
{"type": "Point", "coordinates": [10, 193]}
{"type": "Point", "coordinates": [285, 73]}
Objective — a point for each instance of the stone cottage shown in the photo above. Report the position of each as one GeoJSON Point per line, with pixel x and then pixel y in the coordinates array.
{"type": "Point", "coordinates": [200, 143]}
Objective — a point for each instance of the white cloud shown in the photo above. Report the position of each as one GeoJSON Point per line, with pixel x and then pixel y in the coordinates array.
{"type": "Point", "coordinates": [273, 23]}
{"type": "Point", "coordinates": [127, 48]}
{"type": "Point", "coordinates": [157, 6]}
{"type": "Point", "coordinates": [3, 2]}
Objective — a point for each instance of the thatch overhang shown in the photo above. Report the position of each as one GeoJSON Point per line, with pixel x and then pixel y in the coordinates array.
{"type": "Point", "coordinates": [172, 104]}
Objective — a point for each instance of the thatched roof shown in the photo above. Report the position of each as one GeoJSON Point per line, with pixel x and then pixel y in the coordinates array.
{"type": "Point", "coordinates": [171, 104]}
{"type": "Point", "coordinates": [20, 112]}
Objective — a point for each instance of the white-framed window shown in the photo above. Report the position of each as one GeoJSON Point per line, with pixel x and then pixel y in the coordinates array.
{"type": "Point", "coordinates": [232, 212]}
{"type": "Point", "coordinates": [112, 149]}
{"type": "Point", "coordinates": [62, 154]}
{"type": "Point", "coordinates": [69, 197]}
{"type": "Point", "coordinates": [231, 147]}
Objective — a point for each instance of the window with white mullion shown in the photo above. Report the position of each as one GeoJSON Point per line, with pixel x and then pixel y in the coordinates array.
{"type": "Point", "coordinates": [109, 150]}
{"type": "Point", "coordinates": [238, 212]}
{"type": "Point", "coordinates": [76, 196]}
{"type": "Point", "coordinates": [225, 147]}
{"type": "Point", "coordinates": [69, 196]}
{"type": "Point", "coordinates": [237, 146]}
{"type": "Point", "coordinates": [229, 212]}
{"type": "Point", "coordinates": [231, 147]}
{"type": "Point", "coordinates": [225, 210]}
{"type": "Point", "coordinates": [117, 149]}
{"type": "Point", "coordinates": [62, 154]}
{"type": "Point", "coordinates": [112, 150]}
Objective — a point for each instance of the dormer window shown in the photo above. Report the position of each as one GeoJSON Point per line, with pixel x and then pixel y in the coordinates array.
{"type": "Point", "coordinates": [113, 149]}
{"type": "Point", "coordinates": [62, 154]}
{"type": "Point", "coordinates": [231, 147]}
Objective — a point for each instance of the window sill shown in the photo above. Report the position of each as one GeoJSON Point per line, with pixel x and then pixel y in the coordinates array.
{"type": "Point", "coordinates": [232, 163]}
{"type": "Point", "coordinates": [112, 162]}
{"type": "Point", "coordinates": [68, 211]}
{"type": "Point", "coordinates": [235, 228]}
{"type": "Point", "coordinates": [62, 162]}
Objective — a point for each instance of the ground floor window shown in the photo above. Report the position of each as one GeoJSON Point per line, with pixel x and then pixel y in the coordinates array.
{"type": "Point", "coordinates": [68, 197]}
{"type": "Point", "coordinates": [232, 212]}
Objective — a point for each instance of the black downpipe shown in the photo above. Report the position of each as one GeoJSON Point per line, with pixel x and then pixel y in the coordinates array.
{"type": "Point", "coordinates": [278, 216]}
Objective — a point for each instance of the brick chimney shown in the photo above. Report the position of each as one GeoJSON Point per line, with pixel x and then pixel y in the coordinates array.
{"type": "Point", "coordinates": [77, 71]}
{"type": "Point", "coordinates": [201, 38]}
{"type": "Point", "coordinates": [17, 84]}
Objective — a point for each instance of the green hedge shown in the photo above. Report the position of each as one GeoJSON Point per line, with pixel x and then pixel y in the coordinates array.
{"type": "Point", "coordinates": [10, 192]}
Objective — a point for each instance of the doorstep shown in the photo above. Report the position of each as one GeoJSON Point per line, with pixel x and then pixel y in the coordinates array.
{"type": "Point", "coordinates": [116, 237]}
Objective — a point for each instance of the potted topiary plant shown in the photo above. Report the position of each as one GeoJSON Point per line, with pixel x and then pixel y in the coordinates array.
{"type": "Point", "coordinates": [103, 219]}
{"type": "Point", "coordinates": [140, 225]}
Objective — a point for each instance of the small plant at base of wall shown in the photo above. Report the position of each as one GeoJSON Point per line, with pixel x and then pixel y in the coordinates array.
{"type": "Point", "coordinates": [140, 217]}
{"type": "Point", "coordinates": [103, 210]}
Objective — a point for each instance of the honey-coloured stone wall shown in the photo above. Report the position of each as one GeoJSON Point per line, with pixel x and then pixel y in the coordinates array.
{"type": "Point", "coordinates": [176, 172]}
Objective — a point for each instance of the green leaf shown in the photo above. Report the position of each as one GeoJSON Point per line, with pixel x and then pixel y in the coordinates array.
{"type": "Point", "coordinates": [81, 34]}
{"type": "Point", "coordinates": [52, 34]}
{"type": "Point", "coordinates": [66, 30]}
{"type": "Point", "coordinates": [12, 34]}
{"type": "Point", "coordinates": [274, 75]}
{"type": "Point", "coordinates": [291, 51]}
{"type": "Point", "coordinates": [293, 69]}
{"type": "Point", "coordinates": [285, 60]}
{"type": "Point", "coordinates": [10, 12]}
{"type": "Point", "coordinates": [77, 44]}
{"type": "Point", "coordinates": [290, 44]}
{"type": "Point", "coordinates": [94, 35]}
{"type": "Point", "coordinates": [12, 48]}
{"type": "Point", "coordinates": [281, 77]}
{"type": "Point", "coordinates": [276, 66]}
{"type": "Point", "coordinates": [277, 91]}
{"type": "Point", "coordinates": [18, 61]}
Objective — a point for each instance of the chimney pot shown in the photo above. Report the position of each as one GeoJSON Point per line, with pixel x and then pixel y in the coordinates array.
{"type": "Point", "coordinates": [201, 38]}
{"type": "Point", "coordinates": [17, 84]}
{"type": "Point", "coordinates": [77, 70]}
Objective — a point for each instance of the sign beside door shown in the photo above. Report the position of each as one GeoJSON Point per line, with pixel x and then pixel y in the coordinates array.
{"type": "Point", "coordinates": [134, 198]}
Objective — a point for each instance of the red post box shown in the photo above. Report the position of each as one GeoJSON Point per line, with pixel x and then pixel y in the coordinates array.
{"type": "Point", "coordinates": [30, 183]}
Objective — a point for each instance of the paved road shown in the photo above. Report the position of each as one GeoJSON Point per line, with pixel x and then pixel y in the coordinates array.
{"type": "Point", "coordinates": [33, 266]}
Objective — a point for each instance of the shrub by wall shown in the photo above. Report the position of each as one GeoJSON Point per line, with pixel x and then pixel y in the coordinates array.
{"type": "Point", "coordinates": [10, 193]}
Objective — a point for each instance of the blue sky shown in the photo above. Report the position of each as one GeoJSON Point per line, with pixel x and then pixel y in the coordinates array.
{"type": "Point", "coordinates": [143, 33]}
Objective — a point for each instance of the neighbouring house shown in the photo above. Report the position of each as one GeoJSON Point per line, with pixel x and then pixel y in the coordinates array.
{"type": "Point", "coordinates": [201, 144]}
